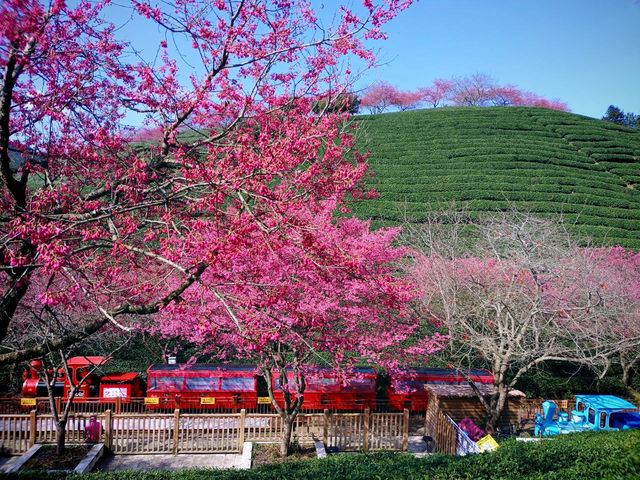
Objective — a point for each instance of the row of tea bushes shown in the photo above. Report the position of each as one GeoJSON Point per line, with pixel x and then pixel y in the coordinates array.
{"type": "Point", "coordinates": [545, 162]}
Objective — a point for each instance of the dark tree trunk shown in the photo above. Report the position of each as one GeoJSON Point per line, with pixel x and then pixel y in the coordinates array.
{"type": "Point", "coordinates": [626, 375]}
{"type": "Point", "coordinates": [497, 406]}
{"type": "Point", "coordinates": [285, 440]}
{"type": "Point", "coordinates": [61, 430]}
{"type": "Point", "coordinates": [290, 407]}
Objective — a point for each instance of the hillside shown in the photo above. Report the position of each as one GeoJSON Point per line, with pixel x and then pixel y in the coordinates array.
{"type": "Point", "coordinates": [543, 161]}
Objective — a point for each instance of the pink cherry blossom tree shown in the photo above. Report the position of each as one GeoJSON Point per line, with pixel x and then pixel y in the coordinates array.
{"type": "Point", "coordinates": [382, 95]}
{"type": "Point", "coordinates": [240, 153]}
{"type": "Point", "coordinates": [438, 94]}
{"type": "Point", "coordinates": [406, 100]}
{"type": "Point", "coordinates": [222, 226]}
{"type": "Point", "coordinates": [378, 97]}
{"type": "Point", "coordinates": [614, 334]}
{"type": "Point", "coordinates": [508, 292]}
{"type": "Point", "coordinates": [481, 90]}
{"type": "Point", "coordinates": [474, 90]}
{"type": "Point", "coordinates": [318, 292]}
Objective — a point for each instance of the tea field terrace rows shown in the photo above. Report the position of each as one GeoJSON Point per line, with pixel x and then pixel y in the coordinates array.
{"type": "Point", "coordinates": [543, 161]}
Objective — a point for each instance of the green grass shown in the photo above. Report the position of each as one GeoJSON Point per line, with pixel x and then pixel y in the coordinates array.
{"type": "Point", "coordinates": [542, 161]}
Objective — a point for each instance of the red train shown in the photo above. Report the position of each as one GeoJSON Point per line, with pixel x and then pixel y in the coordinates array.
{"type": "Point", "coordinates": [233, 387]}
{"type": "Point", "coordinates": [408, 388]}
{"type": "Point", "coordinates": [106, 387]}
{"type": "Point", "coordinates": [326, 389]}
{"type": "Point", "coordinates": [202, 386]}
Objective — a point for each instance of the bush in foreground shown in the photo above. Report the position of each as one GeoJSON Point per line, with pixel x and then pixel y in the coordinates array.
{"type": "Point", "coordinates": [610, 455]}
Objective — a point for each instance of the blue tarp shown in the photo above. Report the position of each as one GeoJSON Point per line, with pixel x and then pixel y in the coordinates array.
{"type": "Point", "coordinates": [624, 420]}
{"type": "Point", "coordinates": [605, 402]}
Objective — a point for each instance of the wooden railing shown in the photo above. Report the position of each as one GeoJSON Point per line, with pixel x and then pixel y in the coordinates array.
{"type": "Point", "coordinates": [208, 433]}
{"type": "Point", "coordinates": [43, 405]}
{"type": "Point", "coordinates": [20, 431]}
{"type": "Point", "coordinates": [15, 434]}
{"type": "Point", "coordinates": [446, 436]}
{"type": "Point", "coordinates": [345, 431]}
{"type": "Point", "coordinates": [532, 406]}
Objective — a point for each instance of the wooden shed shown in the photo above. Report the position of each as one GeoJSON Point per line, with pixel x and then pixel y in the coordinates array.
{"type": "Point", "coordinates": [460, 401]}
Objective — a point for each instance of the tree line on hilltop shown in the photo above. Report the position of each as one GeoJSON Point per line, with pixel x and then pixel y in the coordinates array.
{"type": "Point", "coordinates": [474, 90]}
{"type": "Point", "coordinates": [619, 117]}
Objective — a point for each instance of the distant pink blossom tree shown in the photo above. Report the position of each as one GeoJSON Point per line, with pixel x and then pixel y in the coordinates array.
{"type": "Point", "coordinates": [474, 90]}
{"type": "Point", "coordinates": [614, 273]}
{"type": "Point", "coordinates": [482, 90]}
{"type": "Point", "coordinates": [406, 100]}
{"type": "Point", "coordinates": [381, 96]}
{"type": "Point", "coordinates": [378, 97]}
{"type": "Point", "coordinates": [438, 94]}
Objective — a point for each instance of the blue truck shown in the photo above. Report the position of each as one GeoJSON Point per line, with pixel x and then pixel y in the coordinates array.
{"type": "Point", "coordinates": [592, 412]}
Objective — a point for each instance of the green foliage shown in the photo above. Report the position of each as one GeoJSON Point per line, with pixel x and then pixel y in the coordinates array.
{"type": "Point", "coordinates": [542, 161]}
{"type": "Point", "coordinates": [578, 456]}
{"type": "Point", "coordinates": [615, 115]}
{"type": "Point", "coordinates": [345, 102]}
{"type": "Point", "coordinates": [552, 386]}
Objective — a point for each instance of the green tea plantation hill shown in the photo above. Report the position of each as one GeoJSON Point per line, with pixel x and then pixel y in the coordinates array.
{"type": "Point", "coordinates": [542, 161]}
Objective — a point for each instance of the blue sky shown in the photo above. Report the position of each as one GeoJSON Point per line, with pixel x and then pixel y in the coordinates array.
{"type": "Point", "coordinates": [583, 52]}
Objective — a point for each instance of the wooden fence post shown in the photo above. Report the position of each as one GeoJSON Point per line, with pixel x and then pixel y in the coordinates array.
{"type": "Point", "coordinates": [176, 430]}
{"type": "Point", "coordinates": [118, 405]}
{"type": "Point", "coordinates": [325, 427]}
{"type": "Point", "coordinates": [426, 421]}
{"type": "Point", "coordinates": [405, 432]}
{"type": "Point", "coordinates": [58, 401]}
{"type": "Point", "coordinates": [32, 428]}
{"type": "Point", "coordinates": [365, 430]}
{"type": "Point", "coordinates": [243, 412]}
{"type": "Point", "coordinates": [107, 430]}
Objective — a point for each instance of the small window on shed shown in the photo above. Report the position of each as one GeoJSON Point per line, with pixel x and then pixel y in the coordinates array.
{"type": "Point", "coordinates": [603, 419]}
{"type": "Point", "coordinates": [580, 406]}
{"type": "Point", "coordinates": [591, 416]}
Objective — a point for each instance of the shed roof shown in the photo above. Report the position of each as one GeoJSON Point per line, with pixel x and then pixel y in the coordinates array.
{"type": "Point", "coordinates": [464, 391]}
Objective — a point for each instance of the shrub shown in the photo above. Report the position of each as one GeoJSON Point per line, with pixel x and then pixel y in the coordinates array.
{"type": "Point", "coordinates": [578, 456]}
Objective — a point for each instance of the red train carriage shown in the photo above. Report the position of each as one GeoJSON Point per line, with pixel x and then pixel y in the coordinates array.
{"type": "Point", "coordinates": [407, 387]}
{"type": "Point", "coordinates": [202, 386]}
{"type": "Point", "coordinates": [78, 368]}
{"type": "Point", "coordinates": [124, 386]}
{"type": "Point", "coordinates": [326, 389]}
